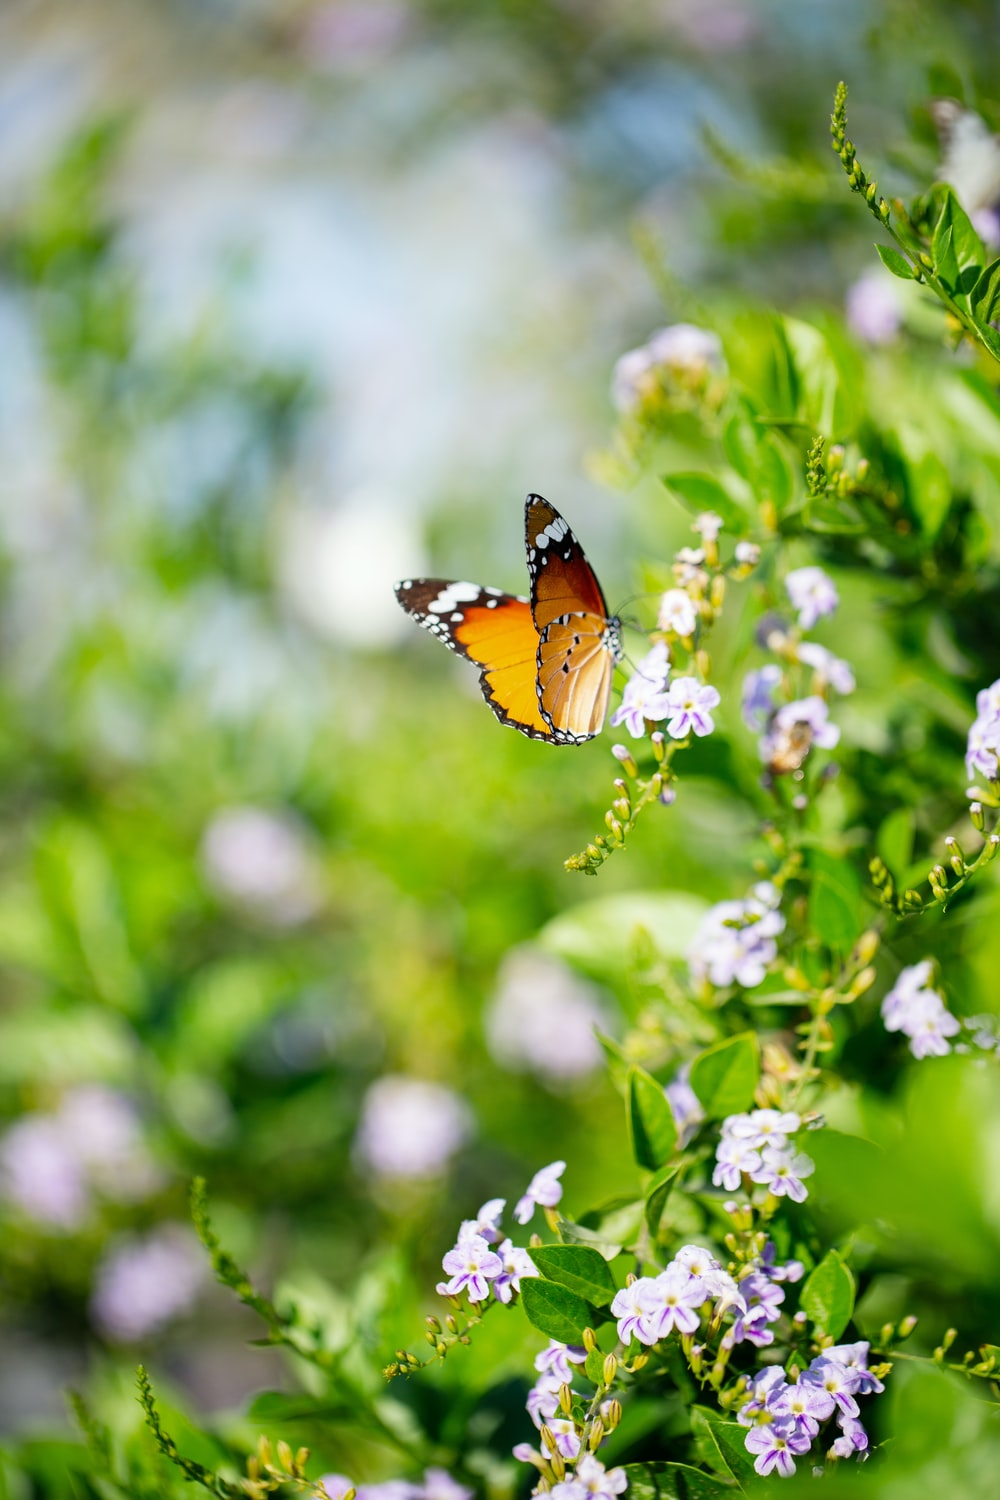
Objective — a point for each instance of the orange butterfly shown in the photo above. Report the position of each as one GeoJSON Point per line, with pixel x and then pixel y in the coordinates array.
{"type": "Point", "coordinates": [546, 663]}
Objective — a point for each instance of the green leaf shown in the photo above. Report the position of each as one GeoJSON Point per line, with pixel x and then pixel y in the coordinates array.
{"type": "Point", "coordinates": [651, 1127]}
{"type": "Point", "coordinates": [835, 905]}
{"type": "Point", "coordinates": [894, 840]}
{"type": "Point", "coordinates": [597, 935]}
{"type": "Point", "coordinates": [985, 295]}
{"type": "Point", "coordinates": [896, 263]}
{"type": "Point", "coordinates": [657, 1192]}
{"type": "Point", "coordinates": [955, 247]}
{"type": "Point", "coordinates": [662, 1481]}
{"type": "Point", "coordinates": [722, 1445]}
{"type": "Point", "coordinates": [576, 1234]}
{"type": "Point", "coordinates": [555, 1310]}
{"type": "Point", "coordinates": [580, 1267]}
{"type": "Point", "coordinates": [828, 1295]}
{"type": "Point", "coordinates": [725, 1076]}
{"type": "Point", "coordinates": [701, 492]}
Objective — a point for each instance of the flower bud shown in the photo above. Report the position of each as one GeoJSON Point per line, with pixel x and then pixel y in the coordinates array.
{"type": "Point", "coordinates": [613, 1409]}
{"type": "Point", "coordinates": [285, 1455]}
{"type": "Point", "coordinates": [955, 856]}
{"type": "Point", "coordinates": [862, 982]}
{"type": "Point", "coordinates": [887, 1333]}
{"type": "Point", "coordinates": [977, 816]}
{"type": "Point", "coordinates": [566, 1400]}
{"type": "Point", "coordinates": [658, 741]}
{"type": "Point", "coordinates": [907, 1326]}
{"type": "Point", "coordinates": [717, 592]}
{"type": "Point", "coordinates": [992, 845]}
{"type": "Point", "coordinates": [867, 946]}
{"type": "Point", "coordinates": [596, 1435]}
{"type": "Point", "coordinates": [624, 756]}
{"type": "Point", "coordinates": [622, 808]}
{"type": "Point", "coordinates": [433, 1322]}
{"type": "Point", "coordinates": [302, 1458]}
{"type": "Point", "coordinates": [589, 1340]}
{"type": "Point", "coordinates": [609, 1369]}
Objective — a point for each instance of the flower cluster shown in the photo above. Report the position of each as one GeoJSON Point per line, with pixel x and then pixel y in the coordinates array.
{"type": "Point", "coordinates": [651, 1307]}
{"type": "Point", "coordinates": [682, 353]}
{"type": "Point", "coordinates": [475, 1267]}
{"type": "Point", "coordinates": [789, 729]}
{"type": "Point", "coordinates": [785, 1409]}
{"type": "Point", "coordinates": [983, 745]}
{"type": "Point", "coordinates": [437, 1484]}
{"type": "Point", "coordinates": [735, 940]}
{"type": "Point", "coordinates": [686, 703]}
{"type": "Point", "coordinates": [919, 1012]}
{"type": "Point", "coordinates": [756, 1146]}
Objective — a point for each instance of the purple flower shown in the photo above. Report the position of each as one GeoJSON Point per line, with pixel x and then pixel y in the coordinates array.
{"type": "Point", "coordinates": [918, 1011]}
{"type": "Point", "coordinates": [732, 1158]}
{"type": "Point", "coordinates": [145, 1282]}
{"type": "Point", "coordinates": [689, 704]}
{"type": "Point", "coordinates": [837, 1381]}
{"type": "Point", "coordinates": [410, 1127]}
{"type": "Point", "coordinates": [855, 1357]}
{"type": "Point", "coordinates": [853, 1439]}
{"type": "Point", "coordinates": [681, 349]}
{"type": "Point", "coordinates": [983, 744]}
{"type": "Point", "coordinates": [644, 697]}
{"type": "Point", "coordinates": [544, 1189]}
{"type": "Point", "coordinates": [750, 1327]}
{"type": "Point", "coordinates": [543, 1398]}
{"type": "Point", "coordinates": [516, 1263]}
{"type": "Point", "coordinates": [759, 689]}
{"type": "Point", "coordinates": [685, 1106]}
{"type": "Point", "coordinates": [805, 719]}
{"type": "Point", "coordinates": [828, 668]}
{"type": "Point", "coordinates": [812, 594]}
{"type": "Point", "coordinates": [763, 1127]}
{"type": "Point", "coordinates": [558, 1358]}
{"type": "Point", "coordinates": [677, 613]}
{"type": "Point", "coordinates": [670, 1302]}
{"type": "Point", "coordinates": [543, 1017]}
{"type": "Point", "coordinates": [782, 1173]}
{"type": "Point", "coordinates": [805, 1405]}
{"type": "Point", "coordinates": [629, 1307]}
{"type": "Point", "coordinates": [762, 1391]}
{"type": "Point", "coordinates": [566, 1436]}
{"type": "Point", "coordinates": [734, 941]}
{"type": "Point", "coordinates": [874, 306]}
{"type": "Point", "coordinates": [440, 1485]}
{"type": "Point", "coordinates": [591, 1481]}
{"type": "Point", "coordinates": [486, 1222]}
{"type": "Point", "coordinates": [792, 1270]}
{"type": "Point", "coordinates": [472, 1265]}
{"type": "Point", "coordinates": [774, 1444]}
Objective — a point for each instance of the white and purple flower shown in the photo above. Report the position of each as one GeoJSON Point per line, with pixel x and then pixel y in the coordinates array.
{"type": "Point", "coordinates": [544, 1190]}
{"type": "Point", "coordinates": [812, 594]}
{"type": "Point", "coordinates": [471, 1265]}
{"type": "Point", "coordinates": [645, 696]}
{"type": "Point", "coordinates": [735, 940]}
{"type": "Point", "coordinates": [689, 706]}
{"type": "Point", "coordinates": [919, 1012]}
{"type": "Point", "coordinates": [516, 1263]}
{"type": "Point", "coordinates": [677, 613]}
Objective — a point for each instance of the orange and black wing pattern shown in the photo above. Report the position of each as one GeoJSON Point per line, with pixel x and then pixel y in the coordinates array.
{"type": "Point", "coordinates": [496, 632]}
{"type": "Point", "coordinates": [545, 664]}
{"type": "Point", "coordinates": [578, 643]}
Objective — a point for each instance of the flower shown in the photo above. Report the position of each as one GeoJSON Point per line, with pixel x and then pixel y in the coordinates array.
{"type": "Point", "coordinates": [853, 1439]}
{"type": "Point", "coordinates": [687, 567]}
{"type": "Point", "coordinates": [763, 1390]}
{"type": "Point", "coordinates": [629, 1307]}
{"type": "Point", "coordinates": [685, 1106]}
{"type": "Point", "coordinates": [707, 525]}
{"type": "Point", "coordinates": [544, 1189]}
{"type": "Point", "coordinates": [670, 1301]}
{"type": "Point", "coordinates": [794, 729]}
{"type": "Point", "coordinates": [677, 613]}
{"type": "Point", "coordinates": [486, 1222]}
{"type": "Point", "coordinates": [644, 696]}
{"type": "Point", "coordinates": [855, 1357]}
{"type": "Point", "coordinates": [689, 704]}
{"type": "Point", "coordinates": [839, 1383]}
{"type": "Point", "coordinates": [763, 1127]}
{"type": "Point", "coordinates": [874, 306]}
{"type": "Point", "coordinates": [145, 1282]}
{"type": "Point", "coordinates": [734, 1157]}
{"type": "Point", "coordinates": [918, 1011]}
{"type": "Point", "coordinates": [757, 703]}
{"type": "Point", "coordinates": [812, 593]}
{"type": "Point", "coordinates": [516, 1263]}
{"type": "Point", "coordinates": [543, 1398]}
{"type": "Point", "coordinates": [782, 1173]}
{"type": "Point", "coordinates": [472, 1265]}
{"type": "Point", "coordinates": [566, 1436]}
{"type": "Point", "coordinates": [805, 1405]}
{"type": "Point", "coordinates": [735, 940]}
{"type": "Point", "coordinates": [681, 350]}
{"type": "Point", "coordinates": [828, 668]}
{"type": "Point", "coordinates": [543, 1016]}
{"type": "Point", "coordinates": [748, 554]}
{"type": "Point", "coordinates": [557, 1359]}
{"type": "Point", "coordinates": [984, 734]}
{"type": "Point", "coordinates": [259, 859]}
{"type": "Point", "coordinates": [590, 1478]}
{"type": "Point", "coordinates": [440, 1485]}
{"type": "Point", "coordinates": [410, 1128]}
{"type": "Point", "coordinates": [774, 1444]}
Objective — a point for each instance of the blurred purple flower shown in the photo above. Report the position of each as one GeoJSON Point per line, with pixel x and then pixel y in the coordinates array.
{"type": "Point", "coordinates": [259, 859]}
{"type": "Point", "coordinates": [812, 594]}
{"type": "Point", "coordinates": [410, 1128]}
{"type": "Point", "coordinates": [874, 306]}
{"type": "Point", "coordinates": [681, 349]}
{"type": "Point", "coordinates": [543, 1017]}
{"type": "Point", "coordinates": [145, 1282]}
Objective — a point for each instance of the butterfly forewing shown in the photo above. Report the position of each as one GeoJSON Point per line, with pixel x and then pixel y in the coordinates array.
{"type": "Point", "coordinates": [492, 629]}
{"type": "Point", "coordinates": [562, 580]}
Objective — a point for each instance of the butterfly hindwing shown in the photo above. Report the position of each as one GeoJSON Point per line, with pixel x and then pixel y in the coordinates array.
{"type": "Point", "coordinates": [493, 630]}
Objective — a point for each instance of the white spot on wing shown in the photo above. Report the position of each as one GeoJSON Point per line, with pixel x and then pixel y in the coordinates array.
{"type": "Point", "coordinates": [451, 597]}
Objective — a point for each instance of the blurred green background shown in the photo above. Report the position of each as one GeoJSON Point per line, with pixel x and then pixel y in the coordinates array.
{"type": "Point", "coordinates": [296, 300]}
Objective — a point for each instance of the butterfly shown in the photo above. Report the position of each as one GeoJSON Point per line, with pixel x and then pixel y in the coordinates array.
{"type": "Point", "coordinates": [546, 662]}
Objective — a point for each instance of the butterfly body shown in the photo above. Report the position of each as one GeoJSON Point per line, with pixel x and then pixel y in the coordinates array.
{"type": "Point", "coordinates": [546, 662]}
